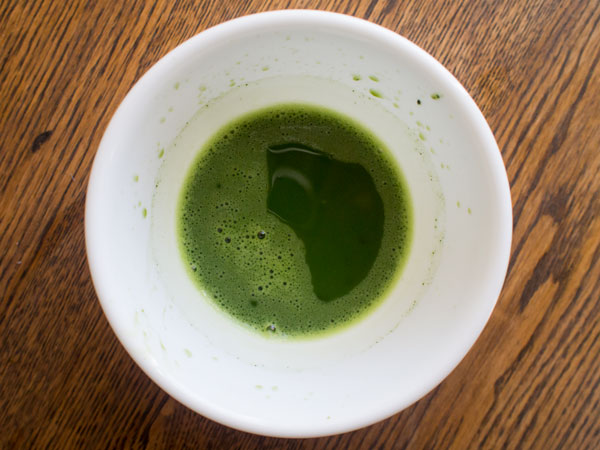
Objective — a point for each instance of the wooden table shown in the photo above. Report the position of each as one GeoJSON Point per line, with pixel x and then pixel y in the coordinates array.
{"type": "Point", "coordinates": [531, 380]}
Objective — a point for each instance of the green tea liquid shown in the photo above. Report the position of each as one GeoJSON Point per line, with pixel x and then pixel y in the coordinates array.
{"type": "Point", "coordinates": [295, 220]}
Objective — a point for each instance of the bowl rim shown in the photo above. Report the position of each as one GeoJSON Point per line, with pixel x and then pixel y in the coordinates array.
{"type": "Point", "coordinates": [260, 21]}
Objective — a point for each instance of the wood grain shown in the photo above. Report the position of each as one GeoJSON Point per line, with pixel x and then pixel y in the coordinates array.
{"type": "Point", "coordinates": [531, 380]}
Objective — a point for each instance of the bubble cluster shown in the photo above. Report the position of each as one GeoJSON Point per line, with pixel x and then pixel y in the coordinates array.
{"type": "Point", "coordinates": [252, 264]}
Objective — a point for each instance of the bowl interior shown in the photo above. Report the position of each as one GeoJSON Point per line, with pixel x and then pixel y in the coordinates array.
{"type": "Point", "coordinates": [438, 306]}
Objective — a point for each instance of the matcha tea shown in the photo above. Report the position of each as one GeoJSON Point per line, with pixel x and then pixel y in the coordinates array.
{"type": "Point", "coordinates": [294, 219]}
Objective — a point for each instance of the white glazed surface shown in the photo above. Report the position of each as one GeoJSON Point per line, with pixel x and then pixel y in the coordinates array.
{"type": "Point", "coordinates": [441, 301]}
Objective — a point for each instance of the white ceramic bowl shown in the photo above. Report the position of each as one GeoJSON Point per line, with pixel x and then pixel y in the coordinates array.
{"type": "Point", "coordinates": [440, 304]}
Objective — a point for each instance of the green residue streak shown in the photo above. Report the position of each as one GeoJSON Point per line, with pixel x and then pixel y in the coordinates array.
{"type": "Point", "coordinates": [396, 105]}
{"type": "Point", "coordinates": [374, 78]}
{"type": "Point", "coordinates": [176, 85]}
{"type": "Point", "coordinates": [136, 178]}
{"type": "Point", "coordinates": [144, 213]}
{"type": "Point", "coordinates": [356, 77]}
{"type": "Point", "coordinates": [436, 96]}
{"type": "Point", "coordinates": [375, 93]}
{"type": "Point", "coordinates": [458, 204]}
{"type": "Point", "coordinates": [232, 83]}
{"type": "Point", "coordinates": [163, 119]}
{"type": "Point", "coordinates": [161, 153]}
{"type": "Point", "coordinates": [188, 353]}
{"type": "Point", "coordinates": [469, 210]}
{"type": "Point", "coordinates": [422, 136]}
{"type": "Point", "coordinates": [294, 220]}
{"type": "Point", "coordinates": [265, 68]}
